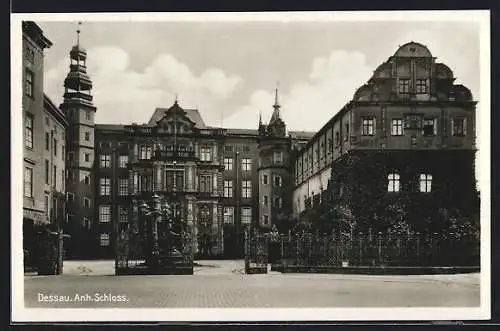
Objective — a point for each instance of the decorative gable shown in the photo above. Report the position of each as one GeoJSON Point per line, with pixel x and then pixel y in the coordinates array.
{"type": "Point", "coordinates": [175, 120]}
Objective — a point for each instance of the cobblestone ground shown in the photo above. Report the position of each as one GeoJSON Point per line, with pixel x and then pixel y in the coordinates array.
{"type": "Point", "coordinates": [222, 284]}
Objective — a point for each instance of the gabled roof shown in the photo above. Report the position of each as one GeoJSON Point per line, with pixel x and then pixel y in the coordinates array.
{"type": "Point", "coordinates": [193, 114]}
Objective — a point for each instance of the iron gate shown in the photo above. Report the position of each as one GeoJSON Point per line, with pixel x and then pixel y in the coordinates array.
{"type": "Point", "coordinates": [256, 252]}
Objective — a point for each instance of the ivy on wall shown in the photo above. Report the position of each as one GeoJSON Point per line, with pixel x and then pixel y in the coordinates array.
{"type": "Point", "coordinates": [358, 194]}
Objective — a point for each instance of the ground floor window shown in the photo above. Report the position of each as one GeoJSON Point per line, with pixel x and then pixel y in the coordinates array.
{"type": "Point", "coordinates": [228, 215]}
{"type": "Point", "coordinates": [425, 182]}
{"type": "Point", "coordinates": [104, 240]}
{"type": "Point", "coordinates": [246, 215]}
{"type": "Point", "coordinates": [393, 182]}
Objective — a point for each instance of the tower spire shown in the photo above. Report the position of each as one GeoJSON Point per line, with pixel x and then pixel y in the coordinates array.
{"type": "Point", "coordinates": [78, 34]}
{"type": "Point", "coordinates": [276, 106]}
{"type": "Point", "coordinates": [276, 102]}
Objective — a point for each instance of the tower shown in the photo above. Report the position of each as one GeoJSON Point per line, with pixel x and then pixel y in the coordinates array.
{"type": "Point", "coordinates": [80, 112]}
{"type": "Point", "coordinates": [274, 169]}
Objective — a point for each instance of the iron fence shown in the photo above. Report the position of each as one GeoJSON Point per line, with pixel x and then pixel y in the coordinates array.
{"type": "Point", "coordinates": [436, 250]}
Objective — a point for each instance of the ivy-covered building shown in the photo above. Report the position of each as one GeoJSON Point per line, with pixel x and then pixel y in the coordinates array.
{"type": "Point", "coordinates": [402, 150]}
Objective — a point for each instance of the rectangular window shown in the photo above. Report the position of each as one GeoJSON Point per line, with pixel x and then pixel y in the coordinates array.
{"type": "Point", "coordinates": [265, 200]}
{"type": "Point", "coordinates": [277, 181]}
{"type": "Point", "coordinates": [278, 157]}
{"type": "Point", "coordinates": [86, 223]}
{"type": "Point", "coordinates": [86, 180]}
{"type": "Point", "coordinates": [393, 184]}
{"type": "Point", "coordinates": [63, 152]}
{"type": "Point", "coordinates": [228, 188]}
{"type": "Point", "coordinates": [397, 127]}
{"type": "Point", "coordinates": [246, 189]}
{"type": "Point", "coordinates": [404, 86]}
{"type": "Point", "coordinates": [458, 126]}
{"type": "Point", "coordinates": [246, 215]}
{"type": "Point", "coordinates": [104, 240]}
{"type": "Point", "coordinates": [62, 179]}
{"type": "Point", "coordinates": [368, 128]}
{"type": "Point", "coordinates": [265, 219]}
{"type": "Point", "coordinates": [47, 172]}
{"type": "Point", "coordinates": [346, 132]}
{"type": "Point", "coordinates": [104, 213]}
{"type": "Point", "coordinates": [146, 182]}
{"type": "Point", "coordinates": [87, 157]}
{"type": "Point", "coordinates": [145, 152]}
{"type": "Point", "coordinates": [105, 161]}
{"type": "Point", "coordinates": [430, 127]}
{"type": "Point", "coordinates": [278, 202]}
{"type": "Point", "coordinates": [228, 149]}
{"type": "Point", "coordinates": [337, 138]}
{"type": "Point", "coordinates": [246, 164]}
{"type": "Point", "coordinates": [206, 183]}
{"type": "Point", "coordinates": [86, 202]}
{"type": "Point", "coordinates": [28, 182]}
{"type": "Point", "coordinates": [55, 147]}
{"type": "Point", "coordinates": [425, 183]}
{"type": "Point", "coordinates": [205, 153]}
{"type": "Point", "coordinates": [28, 131]}
{"type": "Point", "coordinates": [29, 83]}
{"type": "Point", "coordinates": [46, 205]}
{"type": "Point", "coordinates": [105, 186]}
{"type": "Point", "coordinates": [265, 179]}
{"type": "Point", "coordinates": [54, 174]}
{"type": "Point", "coordinates": [122, 161]}
{"type": "Point", "coordinates": [228, 215]}
{"type": "Point", "coordinates": [47, 141]}
{"type": "Point", "coordinates": [421, 86]}
{"type": "Point", "coordinates": [228, 163]}
{"type": "Point", "coordinates": [123, 186]}
{"type": "Point", "coordinates": [71, 196]}
{"type": "Point", "coordinates": [88, 115]}
{"type": "Point", "coordinates": [122, 214]}
{"type": "Point", "coordinates": [30, 55]}
{"type": "Point", "coordinates": [87, 136]}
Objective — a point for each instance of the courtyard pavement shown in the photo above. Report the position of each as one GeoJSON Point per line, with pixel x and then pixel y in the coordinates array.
{"type": "Point", "coordinates": [223, 284]}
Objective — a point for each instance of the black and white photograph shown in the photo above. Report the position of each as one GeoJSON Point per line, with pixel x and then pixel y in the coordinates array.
{"type": "Point", "coordinates": [250, 166]}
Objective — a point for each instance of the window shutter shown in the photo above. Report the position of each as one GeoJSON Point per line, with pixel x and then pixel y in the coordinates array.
{"type": "Point", "coordinates": [465, 126]}
{"type": "Point", "coordinates": [374, 125]}
{"type": "Point", "coordinates": [452, 128]}
{"type": "Point", "coordinates": [435, 126]}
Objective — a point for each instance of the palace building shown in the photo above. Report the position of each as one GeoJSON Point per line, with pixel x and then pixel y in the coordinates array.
{"type": "Point", "coordinates": [44, 151]}
{"type": "Point", "coordinates": [406, 142]}
{"type": "Point", "coordinates": [406, 139]}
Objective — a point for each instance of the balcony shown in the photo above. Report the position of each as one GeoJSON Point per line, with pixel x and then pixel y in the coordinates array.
{"type": "Point", "coordinates": [178, 154]}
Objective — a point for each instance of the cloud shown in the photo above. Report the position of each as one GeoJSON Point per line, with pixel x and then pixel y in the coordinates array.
{"type": "Point", "coordinates": [308, 105]}
{"type": "Point", "coordinates": [123, 95]}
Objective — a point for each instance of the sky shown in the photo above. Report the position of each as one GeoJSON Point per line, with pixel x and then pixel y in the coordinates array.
{"type": "Point", "coordinates": [229, 70]}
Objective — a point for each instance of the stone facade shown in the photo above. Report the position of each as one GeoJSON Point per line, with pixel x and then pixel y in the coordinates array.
{"type": "Point", "coordinates": [44, 124]}
{"type": "Point", "coordinates": [410, 106]}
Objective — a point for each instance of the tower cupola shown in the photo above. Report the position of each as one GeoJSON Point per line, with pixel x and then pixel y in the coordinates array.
{"type": "Point", "coordinates": [78, 85]}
